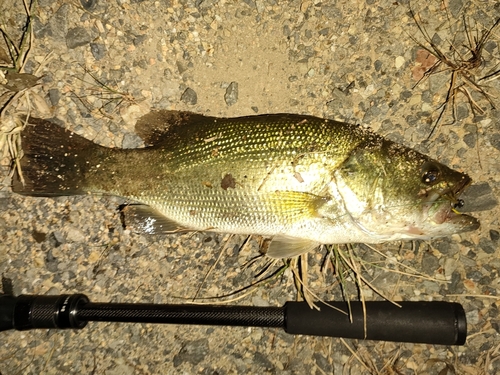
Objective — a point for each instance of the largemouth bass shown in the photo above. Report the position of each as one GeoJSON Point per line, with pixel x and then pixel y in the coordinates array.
{"type": "Point", "coordinates": [302, 180]}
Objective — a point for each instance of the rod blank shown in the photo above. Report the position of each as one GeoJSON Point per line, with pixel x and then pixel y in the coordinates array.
{"type": "Point", "coordinates": [419, 322]}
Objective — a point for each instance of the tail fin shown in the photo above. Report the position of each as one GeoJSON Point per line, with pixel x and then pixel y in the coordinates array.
{"type": "Point", "coordinates": [53, 162]}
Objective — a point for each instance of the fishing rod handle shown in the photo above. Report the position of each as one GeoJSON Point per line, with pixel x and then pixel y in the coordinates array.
{"type": "Point", "coordinates": [74, 311]}
{"type": "Point", "coordinates": [419, 322]}
{"type": "Point", "coordinates": [433, 322]}
{"type": "Point", "coordinates": [40, 311]}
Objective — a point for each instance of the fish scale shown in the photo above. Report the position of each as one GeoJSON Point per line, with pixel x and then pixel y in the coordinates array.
{"type": "Point", "coordinates": [302, 180]}
{"type": "Point", "coordinates": [263, 139]}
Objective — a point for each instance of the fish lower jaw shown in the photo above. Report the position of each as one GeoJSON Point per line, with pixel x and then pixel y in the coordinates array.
{"type": "Point", "coordinates": [443, 214]}
{"type": "Point", "coordinates": [451, 221]}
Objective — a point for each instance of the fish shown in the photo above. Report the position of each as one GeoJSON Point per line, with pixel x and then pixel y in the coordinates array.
{"type": "Point", "coordinates": [301, 180]}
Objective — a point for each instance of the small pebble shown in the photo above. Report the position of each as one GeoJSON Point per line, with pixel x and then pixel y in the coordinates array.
{"type": "Point", "coordinates": [231, 95]}
{"type": "Point", "coordinates": [77, 37]}
{"type": "Point", "coordinates": [189, 96]}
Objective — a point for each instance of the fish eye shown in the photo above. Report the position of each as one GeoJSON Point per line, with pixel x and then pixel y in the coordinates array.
{"type": "Point", "coordinates": [431, 174]}
{"type": "Point", "coordinates": [430, 177]}
{"type": "Point", "coordinates": [460, 203]}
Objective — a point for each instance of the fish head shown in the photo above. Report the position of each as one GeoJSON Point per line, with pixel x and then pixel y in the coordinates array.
{"type": "Point", "coordinates": [439, 197]}
{"type": "Point", "coordinates": [392, 193]}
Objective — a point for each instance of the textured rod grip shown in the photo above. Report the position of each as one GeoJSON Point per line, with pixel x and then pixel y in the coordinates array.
{"type": "Point", "coordinates": [183, 314]}
{"type": "Point", "coordinates": [418, 322]}
{"type": "Point", "coordinates": [33, 311]}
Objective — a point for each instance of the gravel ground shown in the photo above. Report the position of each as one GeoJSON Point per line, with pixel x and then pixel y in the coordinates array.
{"type": "Point", "coordinates": [354, 61]}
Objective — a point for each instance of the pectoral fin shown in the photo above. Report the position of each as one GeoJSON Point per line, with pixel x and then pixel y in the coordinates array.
{"type": "Point", "coordinates": [140, 218]}
{"type": "Point", "coordinates": [298, 205]}
{"type": "Point", "coordinates": [283, 246]}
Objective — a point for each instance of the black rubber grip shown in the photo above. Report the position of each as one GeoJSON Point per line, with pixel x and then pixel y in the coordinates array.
{"type": "Point", "coordinates": [418, 322]}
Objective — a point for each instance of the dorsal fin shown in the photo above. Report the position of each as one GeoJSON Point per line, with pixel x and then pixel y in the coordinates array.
{"type": "Point", "coordinates": [155, 125]}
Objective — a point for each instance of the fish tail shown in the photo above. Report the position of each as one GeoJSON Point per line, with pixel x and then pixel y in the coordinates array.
{"type": "Point", "coordinates": [53, 161]}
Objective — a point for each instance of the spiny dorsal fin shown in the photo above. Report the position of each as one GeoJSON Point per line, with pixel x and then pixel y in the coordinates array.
{"type": "Point", "coordinates": [287, 247]}
{"type": "Point", "coordinates": [140, 218]}
{"type": "Point", "coordinates": [155, 125]}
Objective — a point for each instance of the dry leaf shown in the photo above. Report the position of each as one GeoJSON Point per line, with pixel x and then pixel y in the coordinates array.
{"type": "Point", "coordinates": [424, 61]}
{"type": "Point", "coordinates": [4, 56]}
{"type": "Point", "coordinates": [20, 81]}
{"type": "Point", "coordinates": [40, 104]}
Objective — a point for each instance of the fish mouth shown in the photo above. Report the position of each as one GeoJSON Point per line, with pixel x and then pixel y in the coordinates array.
{"type": "Point", "coordinates": [456, 190]}
{"type": "Point", "coordinates": [445, 204]}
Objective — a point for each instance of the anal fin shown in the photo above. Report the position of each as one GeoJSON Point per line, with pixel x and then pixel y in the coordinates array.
{"type": "Point", "coordinates": [282, 246]}
{"type": "Point", "coordinates": [140, 218]}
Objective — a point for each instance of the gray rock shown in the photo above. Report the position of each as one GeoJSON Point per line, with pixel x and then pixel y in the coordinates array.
{"type": "Point", "coordinates": [324, 31]}
{"type": "Point", "coordinates": [131, 140]}
{"type": "Point", "coordinates": [59, 23]}
{"type": "Point", "coordinates": [77, 37]}
{"type": "Point", "coordinates": [40, 30]}
{"type": "Point", "coordinates": [189, 96]}
{"type": "Point", "coordinates": [490, 46]}
{"type": "Point", "coordinates": [474, 275]}
{"type": "Point", "coordinates": [323, 363]}
{"type": "Point", "coordinates": [204, 4]}
{"type": "Point", "coordinates": [51, 262]}
{"type": "Point", "coordinates": [263, 361]}
{"type": "Point", "coordinates": [371, 113]}
{"type": "Point", "coordinates": [54, 96]}
{"type": "Point", "coordinates": [462, 113]}
{"type": "Point", "coordinates": [98, 50]}
{"type": "Point", "coordinates": [141, 63]}
{"type": "Point", "coordinates": [286, 31]}
{"type": "Point", "coordinates": [250, 3]}
{"type": "Point", "coordinates": [494, 235]}
{"type": "Point", "coordinates": [56, 239]}
{"type": "Point", "coordinates": [478, 197]}
{"type": "Point", "coordinates": [455, 6]}
{"type": "Point", "coordinates": [446, 246]}
{"type": "Point", "coordinates": [495, 140]}
{"type": "Point", "coordinates": [192, 352]}
{"type": "Point", "coordinates": [456, 285]}
{"type": "Point", "coordinates": [181, 66]}
{"type": "Point", "coordinates": [429, 263]}
{"type": "Point", "coordinates": [231, 95]}
{"type": "Point", "coordinates": [487, 245]}
{"type": "Point", "coordinates": [139, 39]}
{"type": "Point", "coordinates": [121, 369]}
{"type": "Point", "coordinates": [84, 111]}
{"type": "Point", "coordinates": [471, 137]}
{"type": "Point", "coordinates": [407, 94]}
